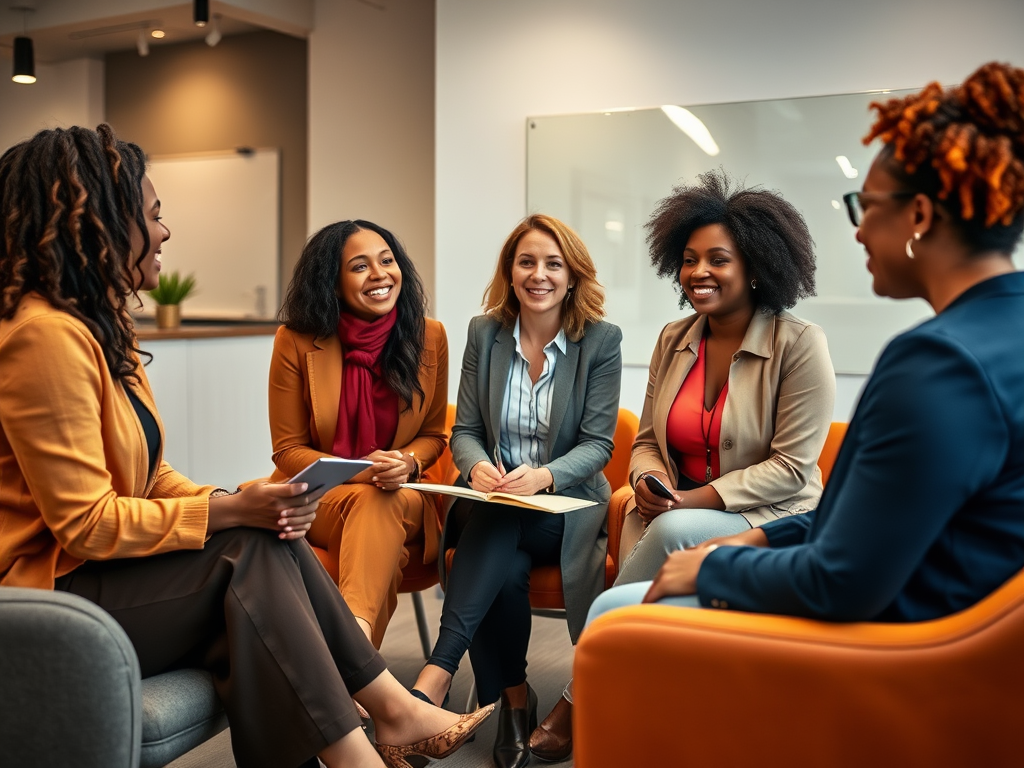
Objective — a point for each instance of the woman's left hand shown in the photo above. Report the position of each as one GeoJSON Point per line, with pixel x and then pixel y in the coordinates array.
{"type": "Point", "coordinates": [678, 576]}
{"type": "Point", "coordinates": [525, 481]}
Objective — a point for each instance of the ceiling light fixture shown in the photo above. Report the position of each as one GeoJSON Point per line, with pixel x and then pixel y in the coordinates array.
{"type": "Point", "coordinates": [692, 126]}
{"type": "Point", "coordinates": [24, 61]}
{"type": "Point", "coordinates": [24, 57]}
{"type": "Point", "coordinates": [847, 167]}
{"type": "Point", "coordinates": [142, 43]}
{"type": "Point", "coordinates": [158, 34]}
{"type": "Point", "coordinates": [213, 36]}
{"type": "Point", "coordinates": [201, 12]}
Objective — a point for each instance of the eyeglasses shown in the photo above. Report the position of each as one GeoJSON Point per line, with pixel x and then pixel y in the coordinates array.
{"type": "Point", "coordinates": [855, 202]}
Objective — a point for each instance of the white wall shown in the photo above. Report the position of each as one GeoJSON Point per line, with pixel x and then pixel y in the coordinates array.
{"type": "Point", "coordinates": [69, 93]}
{"type": "Point", "coordinates": [371, 120]}
{"type": "Point", "coordinates": [498, 62]}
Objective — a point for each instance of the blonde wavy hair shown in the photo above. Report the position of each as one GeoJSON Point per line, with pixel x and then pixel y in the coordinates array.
{"type": "Point", "coordinates": [584, 304]}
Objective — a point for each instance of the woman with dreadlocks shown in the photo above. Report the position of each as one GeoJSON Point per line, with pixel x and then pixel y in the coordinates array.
{"type": "Point", "coordinates": [193, 574]}
{"type": "Point", "coordinates": [923, 515]}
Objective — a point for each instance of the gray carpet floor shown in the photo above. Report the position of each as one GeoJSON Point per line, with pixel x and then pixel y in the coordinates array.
{"type": "Point", "coordinates": [550, 664]}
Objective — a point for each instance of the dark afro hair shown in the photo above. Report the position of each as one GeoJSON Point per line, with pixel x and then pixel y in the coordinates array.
{"type": "Point", "coordinates": [770, 233]}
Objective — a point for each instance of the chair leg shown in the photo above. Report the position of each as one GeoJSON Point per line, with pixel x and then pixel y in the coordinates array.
{"type": "Point", "coordinates": [421, 623]}
{"type": "Point", "coordinates": [471, 698]}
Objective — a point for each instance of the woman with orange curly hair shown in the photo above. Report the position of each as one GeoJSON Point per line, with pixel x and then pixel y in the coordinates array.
{"type": "Point", "coordinates": [924, 512]}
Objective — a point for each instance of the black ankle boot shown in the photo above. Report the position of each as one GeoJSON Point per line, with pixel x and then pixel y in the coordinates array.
{"type": "Point", "coordinates": [511, 747]}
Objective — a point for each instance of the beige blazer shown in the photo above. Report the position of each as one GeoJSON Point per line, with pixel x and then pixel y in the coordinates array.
{"type": "Point", "coordinates": [776, 417]}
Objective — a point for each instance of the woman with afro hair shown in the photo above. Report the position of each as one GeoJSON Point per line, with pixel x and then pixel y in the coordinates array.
{"type": "Point", "coordinates": [740, 393]}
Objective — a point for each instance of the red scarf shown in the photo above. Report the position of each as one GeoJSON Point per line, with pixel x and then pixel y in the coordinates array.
{"type": "Point", "coordinates": [368, 409]}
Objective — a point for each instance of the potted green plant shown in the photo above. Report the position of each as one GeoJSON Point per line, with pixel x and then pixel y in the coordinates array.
{"type": "Point", "coordinates": [171, 290]}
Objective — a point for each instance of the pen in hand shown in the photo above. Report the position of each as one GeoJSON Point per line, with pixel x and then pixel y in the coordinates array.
{"type": "Point", "coordinates": [497, 458]}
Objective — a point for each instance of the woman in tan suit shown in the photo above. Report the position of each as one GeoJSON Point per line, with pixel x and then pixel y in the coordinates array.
{"type": "Point", "coordinates": [739, 395]}
{"type": "Point", "coordinates": [193, 574]}
{"type": "Point", "coordinates": [359, 371]}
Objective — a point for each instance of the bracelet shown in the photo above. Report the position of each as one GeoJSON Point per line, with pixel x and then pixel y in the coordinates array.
{"type": "Point", "coordinates": [415, 474]}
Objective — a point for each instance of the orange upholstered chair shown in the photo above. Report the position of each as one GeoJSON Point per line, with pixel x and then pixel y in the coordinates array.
{"type": "Point", "coordinates": [417, 575]}
{"type": "Point", "coordinates": [546, 595]}
{"type": "Point", "coordinates": [829, 452]}
{"type": "Point", "coordinates": [657, 685]}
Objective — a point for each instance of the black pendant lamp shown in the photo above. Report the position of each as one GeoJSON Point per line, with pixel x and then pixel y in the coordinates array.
{"type": "Point", "coordinates": [24, 61]}
{"type": "Point", "coordinates": [201, 12]}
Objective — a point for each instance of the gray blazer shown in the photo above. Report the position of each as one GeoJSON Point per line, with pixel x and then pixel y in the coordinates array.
{"type": "Point", "coordinates": [584, 413]}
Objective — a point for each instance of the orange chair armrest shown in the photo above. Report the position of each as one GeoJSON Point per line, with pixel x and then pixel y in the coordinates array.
{"type": "Point", "coordinates": [616, 515]}
{"type": "Point", "coordinates": [801, 692]}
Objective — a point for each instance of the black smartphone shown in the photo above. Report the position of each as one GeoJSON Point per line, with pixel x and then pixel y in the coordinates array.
{"type": "Point", "coordinates": [658, 488]}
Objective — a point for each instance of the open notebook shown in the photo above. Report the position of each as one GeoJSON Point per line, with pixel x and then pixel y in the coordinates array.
{"type": "Point", "coordinates": [542, 502]}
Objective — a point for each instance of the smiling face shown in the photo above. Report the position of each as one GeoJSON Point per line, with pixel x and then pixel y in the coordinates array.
{"type": "Point", "coordinates": [714, 274]}
{"type": "Point", "coordinates": [146, 266]}
{"type": "Point", "coordinates": [370, 279]}
{"type": "Point", "coordinates": [885, 226]}
{"type": "Point", "coordinates": [540, 277]}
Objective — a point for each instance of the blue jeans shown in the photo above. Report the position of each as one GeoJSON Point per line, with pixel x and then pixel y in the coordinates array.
{"type": "Point", "coordinates": [674, 530]}
{"type": "Point", "coordinates": [633, 594]}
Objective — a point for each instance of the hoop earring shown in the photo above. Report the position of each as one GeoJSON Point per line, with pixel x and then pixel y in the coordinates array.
{"type": "Point", "coordinates": [910, 242]}
{"type": "Point", "coordinates": [753, 284]}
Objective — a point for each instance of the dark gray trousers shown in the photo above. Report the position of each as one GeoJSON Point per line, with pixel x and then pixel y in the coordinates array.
{"type": "Point", "coordinates": [264, 618]}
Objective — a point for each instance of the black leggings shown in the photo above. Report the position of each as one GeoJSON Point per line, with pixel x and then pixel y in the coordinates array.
{"type": "Point", "coordinates": [487, 602]}
{"type": "Point", "coordinates": [263, 617]}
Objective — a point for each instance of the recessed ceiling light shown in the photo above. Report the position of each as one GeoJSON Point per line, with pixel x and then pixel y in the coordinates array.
{"type": "Point", "coordinates": [159, 34]}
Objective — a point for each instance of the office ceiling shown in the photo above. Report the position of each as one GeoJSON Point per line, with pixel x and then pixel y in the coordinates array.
{"type": "Point", "coordinates": [95, 37]}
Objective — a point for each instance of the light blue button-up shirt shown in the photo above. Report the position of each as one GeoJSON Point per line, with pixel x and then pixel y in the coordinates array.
{"type": "Point", "coordinates": [526, 407]}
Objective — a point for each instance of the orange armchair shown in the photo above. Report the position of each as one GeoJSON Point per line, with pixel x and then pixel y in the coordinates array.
{"type": "Point", "coordinates": [723, 688]}
{"type": "Point", "coordinates": [658, 685]}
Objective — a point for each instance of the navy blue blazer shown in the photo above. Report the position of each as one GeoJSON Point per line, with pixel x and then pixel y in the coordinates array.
{"type": "Point", "coordinates": [923, 514]}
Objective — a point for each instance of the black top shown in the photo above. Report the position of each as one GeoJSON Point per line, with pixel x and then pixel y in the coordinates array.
{"type": "Point", "coordinates": [149, 428]}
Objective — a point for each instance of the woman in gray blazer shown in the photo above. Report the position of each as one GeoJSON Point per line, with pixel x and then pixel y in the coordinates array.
{"type": "Point", "coordinates": [537, 409]}
{"type": "Point", "coordinates": [739, 396]}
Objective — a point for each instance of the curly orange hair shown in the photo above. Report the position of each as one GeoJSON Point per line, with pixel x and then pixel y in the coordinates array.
{"type": "Point", "coordinates": [971, 135]}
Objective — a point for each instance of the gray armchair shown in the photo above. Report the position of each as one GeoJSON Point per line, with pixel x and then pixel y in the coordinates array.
{"type": "Point", "coordinates": [71, 693]}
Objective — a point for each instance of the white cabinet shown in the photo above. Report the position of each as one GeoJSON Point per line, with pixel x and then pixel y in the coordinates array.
{"type": "Point", "coordinates": [212, 397]}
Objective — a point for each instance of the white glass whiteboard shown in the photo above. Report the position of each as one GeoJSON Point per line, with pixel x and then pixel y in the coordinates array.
{"type": "Point", "coordinates": [223, 210]}
{"type": "Point", "coordinates": [603, 174]}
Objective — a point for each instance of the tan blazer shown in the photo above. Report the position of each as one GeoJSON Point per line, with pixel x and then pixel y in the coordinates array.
{"type": "Point", "coordinates": [305, 389]}
{"type": "Point", "coordinates": [74, 464]}
{"type": "Point", "coordinates": [777, 413]}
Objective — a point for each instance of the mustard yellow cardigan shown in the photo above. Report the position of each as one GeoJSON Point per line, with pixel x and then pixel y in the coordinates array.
{"type": "Point", "coordinates": [74, 465]}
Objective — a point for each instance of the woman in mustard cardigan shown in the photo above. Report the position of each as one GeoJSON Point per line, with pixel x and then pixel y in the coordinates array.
{"type": "Point", "coordinates": [359, 371]}
{"type": "Point", "coordinates": [88, 506]}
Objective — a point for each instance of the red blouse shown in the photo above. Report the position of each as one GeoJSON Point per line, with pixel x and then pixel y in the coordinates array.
{"type": "Point", "coordinates": [692, 429]}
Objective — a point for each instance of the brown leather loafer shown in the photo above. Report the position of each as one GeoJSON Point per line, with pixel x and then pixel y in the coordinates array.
{"type": "Point", "coordinates": [552, 739]}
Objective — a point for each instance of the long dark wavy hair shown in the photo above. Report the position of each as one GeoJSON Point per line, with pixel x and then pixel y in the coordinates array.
{"type": "Point", "coordinates": [68, 198]}
{"type": "Point", "coordinates": [312, 304]}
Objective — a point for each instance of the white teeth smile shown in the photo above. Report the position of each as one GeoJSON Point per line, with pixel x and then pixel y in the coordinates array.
{"type": "Point", "coordinates": [539, 291]}
{"type": "Point", "coordinates": [703, 291]}
{"type": "Point", "coordinates": [379, 291]}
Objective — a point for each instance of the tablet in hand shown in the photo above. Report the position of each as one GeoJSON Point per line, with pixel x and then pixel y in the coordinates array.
{"type": "Point", "coordinates": [324, 474]}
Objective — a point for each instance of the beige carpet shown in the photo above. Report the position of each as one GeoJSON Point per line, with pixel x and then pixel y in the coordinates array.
{"type": "Point", "coordinates": [550, 664]}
